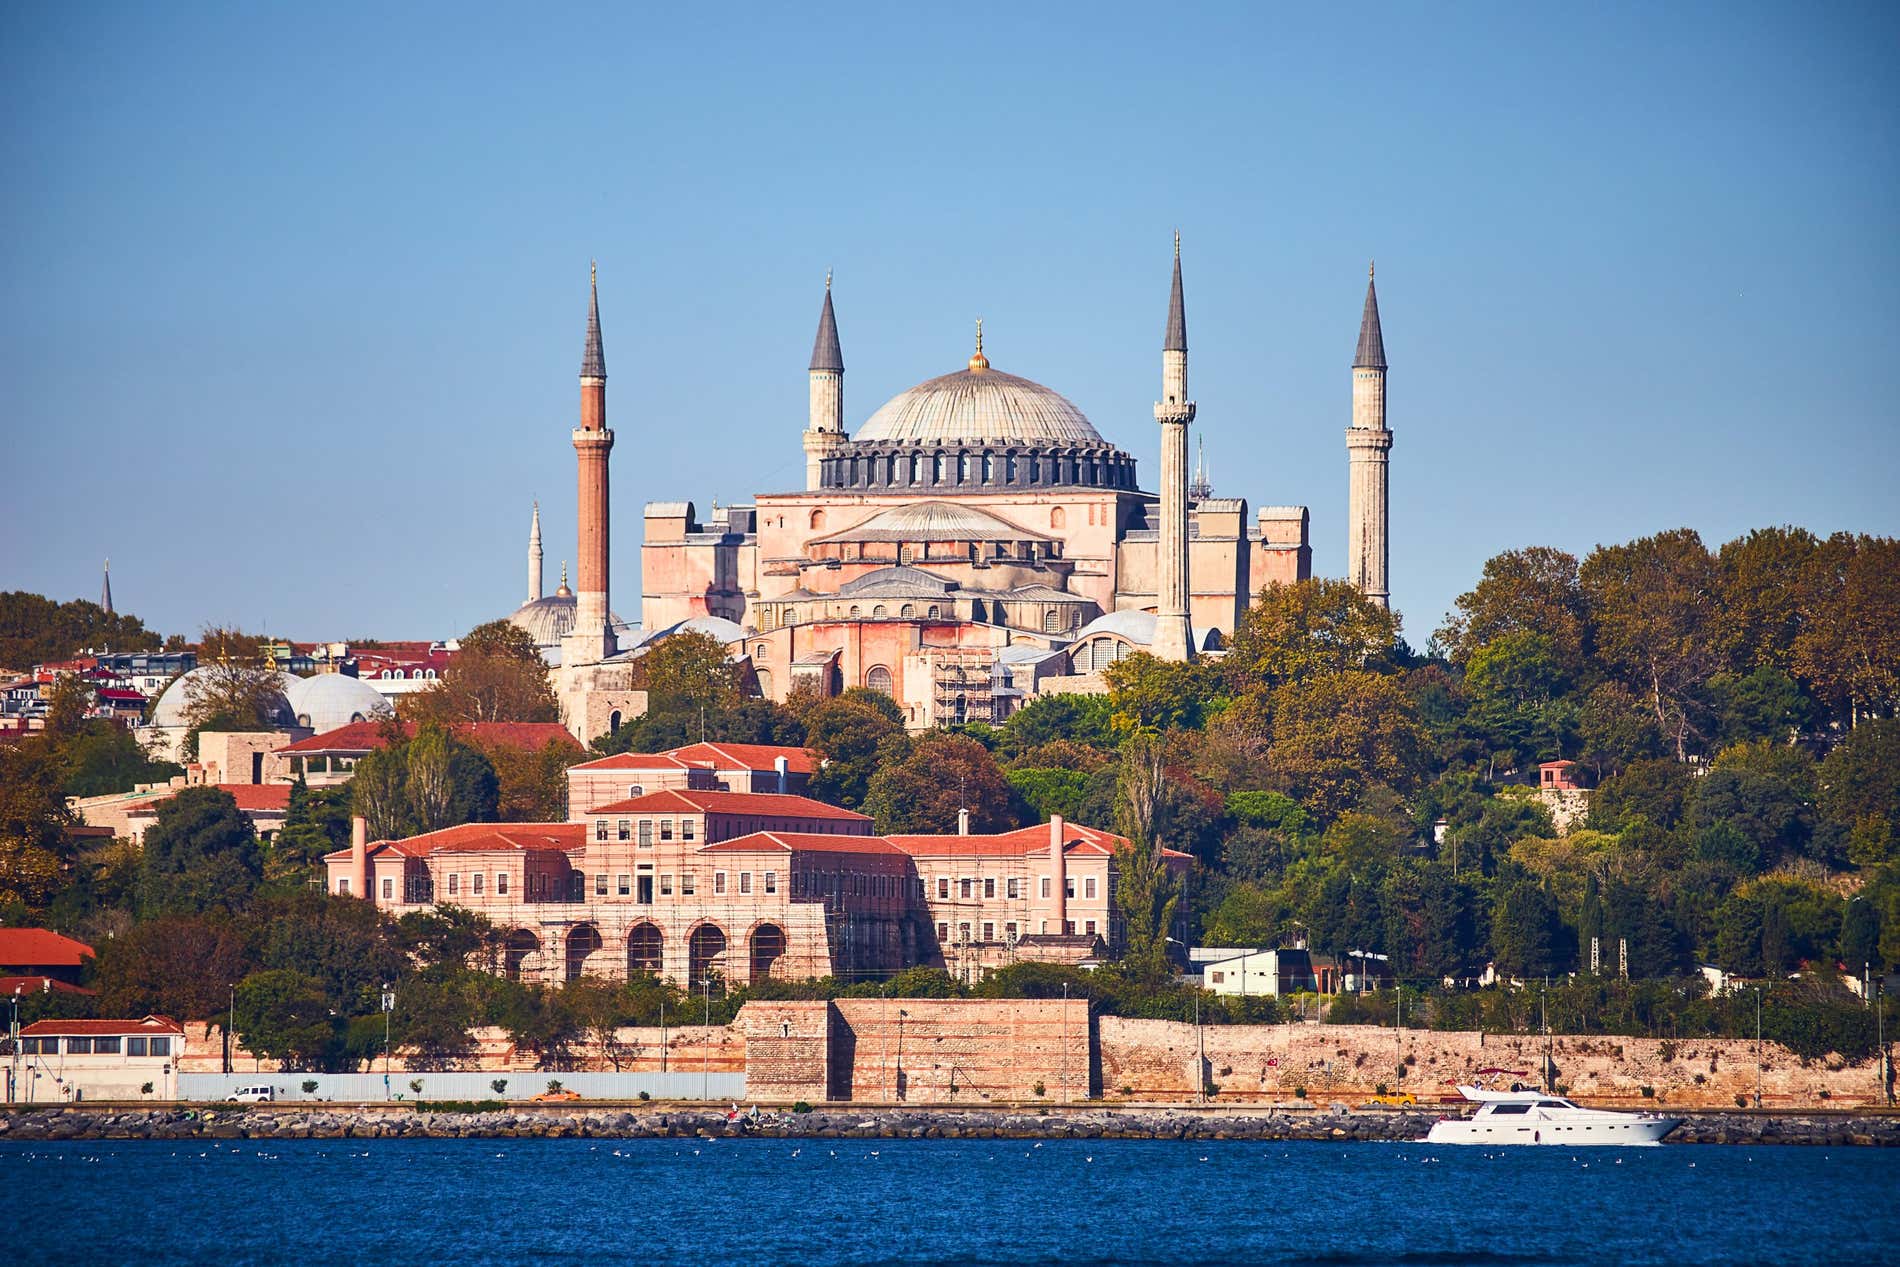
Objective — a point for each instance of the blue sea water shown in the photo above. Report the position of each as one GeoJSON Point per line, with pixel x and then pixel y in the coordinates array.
{"type": "Point", "coordinates": [782, 1202]}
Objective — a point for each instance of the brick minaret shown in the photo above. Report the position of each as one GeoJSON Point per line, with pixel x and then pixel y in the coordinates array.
{"type": "Point", "coordinates": [1174, 411]}
{"type": "Point", "coordinates": [824, 431]}
{"type": "Point", "coordinates": [1368, 443]}
{"type": "Point", "coordinates": [534, 555]}
{"type": "Point", "coordinates": [593, 638]}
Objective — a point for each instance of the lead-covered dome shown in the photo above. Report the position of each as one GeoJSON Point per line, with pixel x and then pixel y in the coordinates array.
{"type": "Point", "coordinates": [329, 701]}
{"type": "Point", "coordinates": [979, 405]}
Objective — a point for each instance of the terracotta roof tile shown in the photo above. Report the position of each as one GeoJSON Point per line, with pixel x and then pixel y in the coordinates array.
{"type": "Point", "coordinates": [369, 736]}
{"type": "Point", "coordinates": [763, 804]}
{"type": "Point", "coordinates": [134, 1026]}
{"type": "Point", "coordinates": [40, 948]}
{"type": "Point", "coordinates": [804, 842]}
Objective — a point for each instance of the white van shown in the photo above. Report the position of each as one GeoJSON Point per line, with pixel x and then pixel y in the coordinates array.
{"type": "Point", "coordinates": [253, 1095]}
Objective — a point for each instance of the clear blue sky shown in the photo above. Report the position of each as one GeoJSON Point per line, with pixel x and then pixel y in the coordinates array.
{"type": "Point", "coordinates": [293, 295]}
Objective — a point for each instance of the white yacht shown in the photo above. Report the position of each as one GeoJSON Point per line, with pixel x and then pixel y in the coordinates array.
{"type": "Point", "coordinates": [1531, 1117]}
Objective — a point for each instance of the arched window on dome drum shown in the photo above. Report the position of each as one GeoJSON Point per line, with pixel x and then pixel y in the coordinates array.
{"type": "Point", "coordinates": [976, 610]}
{"type": "Point", "coordinates": [878, 679]}
{"type": "Point", "coordinates": [917, 468]}
{"type": "Point", "coordinates": [1009, 468]}
{"type": "Point", "coordinates": [907, 611]}
{"type": "Point", "coordinates": [935, 611]}
{"type": "Point", "coordinates": [856, 614]}
{"type": "Point", "coordinates": [890, 470]}
{"type": "Point", "coordinates": [1051, 619]}
{"type": "Point", "coordinates": [943, 468]}
{"type": "Point", "coordinates": [878, 612]}
{"type": "Point", "coordinates": [989, 468]}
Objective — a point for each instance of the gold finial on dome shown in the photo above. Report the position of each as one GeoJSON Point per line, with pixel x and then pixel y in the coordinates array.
{"type": "Point", "coordinates": [1369, 264]}
{"type": "Point", "coordinates": [564, 591]}
{"type": "Point", "coordinates": [979, 361]}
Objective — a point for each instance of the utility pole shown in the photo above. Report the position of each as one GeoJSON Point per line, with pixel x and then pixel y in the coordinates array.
{"type": "Point", "coordinates": [705, 1055]}
{"type": "Point", "coordinates": [1883, 1066]}
{"type": "Point", "coordinates": [662, 1033]}
{"type": "Point", "coordinates": [13, 1033]}
{"type": "Point", "coordinates": [1065, 1037]}
{"type": "Point", "coordinates": [389, 1006]}
{"type": "Point", "coordinates": [230, 1023]}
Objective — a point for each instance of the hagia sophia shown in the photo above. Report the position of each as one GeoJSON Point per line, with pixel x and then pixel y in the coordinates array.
{"type": "Point", "coordinates": [975, 542]}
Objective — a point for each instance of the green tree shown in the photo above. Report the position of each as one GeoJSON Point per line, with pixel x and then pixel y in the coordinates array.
{"type": "Point", "coordinates": [174, 965]}
{"type": "Point", "coordinates": [1078, 719]}
{"type": "Point", "coordinates": [1524, 931]}
{"type": "Point", "coordinates": [942, 774]}
{"type": "Point", "coordinates": [35, 849]}
{"type": "Point", "coordinates": [34, 629]}
{"type": "Point", "coordinates": [1861, 776]}
{"type": "Point", "coordinates": [1314, 627]}
{"type": "Point", "coordinates": [284, 1016]}
{"type": "Point", "coordinates": [1516, 687]}
{"type": "Point", "coordinates": [1151, 695]}
{"type": "Point", "coordinates": [1764, 790]}
{"type": "Point", "coordinates": [1848, 649]}
{"type": "Point", "coordinates": [1657, 626]}
{"type": "Point", "coordinates": [1338, 733]}
{"type": "Point", "coordinates": [316, 823]}
{"type": "Point", "coordinates": [496, 675]}
{"type": "Point", "coordinates": [1657, 790]}
{"type": "Point", "coordinates": [424, 784]}
{"type": "Point", "coordinates": [1531, 591]}
{"type": "Point", "coordinates": [200, 855]}
{"type": "Point", "coordinates": [847, 737]}
{"type": "Point", "coordinates": [104, 757]}
{"type": "Point", "coordinates": [1761, 594]}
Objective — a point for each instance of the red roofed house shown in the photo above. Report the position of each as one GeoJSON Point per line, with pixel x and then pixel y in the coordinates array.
{"type": "Point", "coordinates": [62, 1061]}
{"type": "Point", "coordinates": [41, 953]}
{"type": "Point", "coordinates": [730, 767]}
{"type": "Point", "coordinates": [330, 758]}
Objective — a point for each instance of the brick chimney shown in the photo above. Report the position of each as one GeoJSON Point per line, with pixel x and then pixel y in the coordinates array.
{"type": "Point", "coordinates": [359, 856]}
{"type": "Point", "coordinates": [1059, 869]}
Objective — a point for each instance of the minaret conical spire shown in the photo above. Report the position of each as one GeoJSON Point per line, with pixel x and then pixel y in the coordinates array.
{"type": "Point", "coordinates": [593, 358]}
{"type": "Point", "coordinates": [534, 554]}
{"type": "Point", "coordinates": [1176, 340]}
{"type": "Point", "coordinates": [105, 589]}
{"type": "Point", "coordinates": [825, 352]}
{"type": "Point", "coordinates": [1371, 351]}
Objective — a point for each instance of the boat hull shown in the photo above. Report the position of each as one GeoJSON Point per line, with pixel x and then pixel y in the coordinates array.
{"type": "Point", "coordinates": [1633, 1132]}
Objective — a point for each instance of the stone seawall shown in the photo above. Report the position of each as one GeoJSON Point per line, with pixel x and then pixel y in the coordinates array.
{"type": "Point", "coordinates": [279, 1123]}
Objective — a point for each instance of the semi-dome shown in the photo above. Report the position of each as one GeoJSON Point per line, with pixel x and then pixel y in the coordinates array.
{"type": "Point", "coordinates": [330, 700]}
{"type": "Point", "coordinates": [979, 404]}
{"type": "Point", "coordinates": [175, 701]}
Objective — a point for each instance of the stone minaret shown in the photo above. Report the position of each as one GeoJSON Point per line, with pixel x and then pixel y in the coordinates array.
{"type": "Point", "coordinates": [534, 555]}
{"type": "Point", "coordinates": [593, 638]}
{"type": "Point", "coordinates": [824, 432]}
{"type": "Point", "coordinates": [105, 589]}
{"type": "Point", "coordinates": [1174, 411]}
{"type": "Point", "coordinates": [1367, 444]}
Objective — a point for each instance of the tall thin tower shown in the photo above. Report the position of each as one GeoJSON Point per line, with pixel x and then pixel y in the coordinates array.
{"type": "Point", "coordinates": [1174, 411]}
{"type": "Point", "coordinates": [824, 429]}
{"type": "Point", "coordinates": [534, 555]}
{"type": "Point", "coordinates": [593, 637]}
{"type": "Point", "coordinates": [1368, 442]}
{"type": "Point", "coordinates": [105, 589]}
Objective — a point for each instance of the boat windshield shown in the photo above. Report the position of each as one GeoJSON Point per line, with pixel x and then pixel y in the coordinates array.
{"type": "Point", "coordinates": [1510, 1108]}
{"type": "Point", "coordinates": [1555, 1104]}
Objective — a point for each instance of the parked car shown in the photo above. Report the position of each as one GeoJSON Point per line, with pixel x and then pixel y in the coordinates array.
{"type": "Point", "coordinates": [554, 1097]}
{"type": "Point", "coordinates": [253, 1095]}
{"type": "Point", "coordinates": [1399, 1100]}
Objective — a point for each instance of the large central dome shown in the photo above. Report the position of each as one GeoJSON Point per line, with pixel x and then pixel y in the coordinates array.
{"type": "Point", "coordinates": [979, 405]}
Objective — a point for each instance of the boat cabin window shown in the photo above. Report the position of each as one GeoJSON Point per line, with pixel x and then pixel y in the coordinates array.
{"type": "Point", "coordinates": [1555, 1104]}
{"type": "Point", "coordinates": [1510, 1108]}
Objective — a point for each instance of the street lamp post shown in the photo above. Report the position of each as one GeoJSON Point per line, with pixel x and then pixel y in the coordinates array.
{"type": "Point", "coordinates": [230, 1024]}
{"type": "Point", "coordinates": [389, 1006]}
{"type": "Point", "coordinates": [1758, 1047]}
{"type": "Point", "coordinates": [13, 1033]}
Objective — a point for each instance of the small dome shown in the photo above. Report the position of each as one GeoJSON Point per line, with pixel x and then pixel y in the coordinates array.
{"type": "Point", "coordinates": [979, 404]}
{"type": "Point", "coordinates": [175, 701]}
{"type": "Point", "coordinates": [546, 620]}
{"type": "Point", "coordinates": [330, 700]}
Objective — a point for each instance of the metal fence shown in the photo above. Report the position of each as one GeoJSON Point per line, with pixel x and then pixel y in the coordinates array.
{"type": "Point", "coordinates": [465, 1086]}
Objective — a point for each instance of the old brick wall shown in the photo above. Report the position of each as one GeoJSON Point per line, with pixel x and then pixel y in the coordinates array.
{"type": "Point", "coordinates": [787, 1050]}
{"type": "Point", "coordinates": [965, 1050]}
{"type": "Point", "coordinates": [685, 1049]}
{"type": "Point", "coordinates": [1156, 1060]}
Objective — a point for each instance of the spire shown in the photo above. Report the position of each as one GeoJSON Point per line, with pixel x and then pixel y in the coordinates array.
{"type": "Point", "coordinates": [593, 359]}
{"type": "Point", "coordinates": [825, 353]}
{"type": "Point", "coordinates": [564, 591]}
{"type": "Point", "coordinates": [534, 528]}
{"type": "Point", "coordinates": [1371, 353]}
{"type": "Point", "coordinates": [105, 591]}
{"type": "Point", "coordinates": [1176, 340]}
{"type": "Point", "coordinates": [977, 360]}
{"type": "Point", "coordinates": [1200, 488]}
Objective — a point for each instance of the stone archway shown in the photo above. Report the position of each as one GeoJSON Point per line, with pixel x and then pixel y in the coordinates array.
{"type": "Point", "coordinates": [705, 952]}
{"type": "Point", "coordinates": [582, 941]}
{"type": "Point", "coordinates": [515, 951]}
{"type": "Point", "coordinates": [768, 944]}
{"type": "Point", "coordinates": [646, 950]}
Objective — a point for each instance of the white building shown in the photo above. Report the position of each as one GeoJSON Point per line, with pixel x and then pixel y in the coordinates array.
{"type": "Point", "coordinates": [63, 1061]}
{"type": "Point", "coordinates": [1250, 972]}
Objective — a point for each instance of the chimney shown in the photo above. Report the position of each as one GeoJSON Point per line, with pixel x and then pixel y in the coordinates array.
{"type": "Point", "coordinates": [963, 822]}
{"type": "Point", "coordinates": [783, 767]}
{"type": "Point", "coordinates": [359, 856]}
{"type": "Point", "coordinates": [1059, 869]}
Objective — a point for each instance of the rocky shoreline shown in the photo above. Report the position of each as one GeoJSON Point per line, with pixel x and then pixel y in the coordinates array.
{"type": "Point", "coordinates": [278, 1122]}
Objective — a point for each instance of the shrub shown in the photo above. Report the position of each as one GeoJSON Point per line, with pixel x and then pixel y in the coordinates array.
{"type": "Point", "coordinates": [1666, 1050]}
{"type": "Point", "coordinates": [459, 1106]}
{"type": "Point", "coordinates": [801, 1107]}
{"type": "Point", "coordinates": [554, 1084]}
{"type": "Point", "coordinates": [645, 1096]}
{"type": "Point", "coordinates": [1299, 1093]}
{"type": "Point", "coordinates": [1380, 1089]}
{"type": "Point", "coordinates": [147, 1089]}
{"type": "Point", "coordinates": [415, 1086]}
{"type": "Point", "coordinates": [309, 1086]}
{"type": "Point", "coordinates": [1649, 1092]}
{"type": "Point", "coordinates": [1039, 1089]}
{"type": "Point", "coordinates": [500, 1086]}
{"type": "Point", "coordinates": [1741, 1101]}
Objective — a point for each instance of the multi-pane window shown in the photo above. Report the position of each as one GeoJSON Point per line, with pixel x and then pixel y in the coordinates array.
{"type": "Point", "coordinates": [771, 882]}
{"type": "Point", "coordinates": [745, 882]}
{"type": "Point", "coordinates": [1088, 926]}
{"type": "Point", "coordinates": [600, 829]}
{"type": "Point", "coordinates": [1045, 886]}
{"type": "Point", "coordinates": [79, 1047]}
{"type": "Point", "coordinates": [1009, 929]}
{"type": "Point", "coordinates": [1015, 888]}
{"type": "Point", "coordinates": [666, 829]}
{"type": "Point", "coordinates": [686, 828]}
{"type": "Point", "coordinates": [1088, 886]}
{"type": "Point", "coordinates": [666, 885]}
{"type": "Point", "coordinates": [943, 886]}
{"type": "Point", "coordinates": [135, 1046]}
{"type": "Point", "coordinates": [686, 884]}
{"type": "Point", "coordinates": [943, 931]}
{"type": "Point", "coordinates": [455, 883]}
{"type": "Point", "coordinates": [989, 886]}
{"type": "Point", "coordinates": [105, 1046]}
{"type": "Point", "coordinates": [964, 887]}
{"type": "Point", "coordinates": [161, 1046]}
{"type": "Point", "coordinates": [623, 830]}
{"type": "Point", "coordinates": [475, 884]}
{"type": "Point", "coordinates": [646, 833]}
{"type": "Point", "coordinates": [989, 931]}
{"type": "Point", "coordinates": [600, 884]}
{"type": "Point", "coordinates": [501, 883]}
{"type": "Point", "coordinates": [623, 884]}
{"type": "Point", "coordinates": [1068, 885]}
{"type": "Point", "coordinates": [719, 882]}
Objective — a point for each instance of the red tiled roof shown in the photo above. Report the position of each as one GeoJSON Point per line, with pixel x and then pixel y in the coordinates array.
{"type": "Point", "coordinates": [369, 736]}
{"type": "Point", "coordinates": [1024, 840]}
{"type": "Point", "coordinates": [38, 985]}
{"type": "Point", "coordinates": [251, 798]}
{"type": "Point", "coordinates": [40, 948]}
{"type": "Point", "coordinates": [632, 761]}
{"type": "Point", "coordinates": [140, 1025]}
{"type": "Point", "coordinates": [746, 756]}
{"type": "Point", "coordinates": [803, 842]}
{"type": "Point", "coordinates": [675, 801]}
{"type": "Point", "coordinates": [480, 838]}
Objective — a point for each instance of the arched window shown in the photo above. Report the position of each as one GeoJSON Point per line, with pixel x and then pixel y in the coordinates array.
{"type": "Point", "coordinates": [989, 467]}
{"type": "Point", "coordinates": [613, 721]}
{"type": "Point", "coordinates": [907, 611]}
{"type": "Point", "coordinates": [943, 468]}
{"type": "Point", "coordinates": [1051, 619]}
{"type": "Point", "coordinates": [429, 673]}
{"type": "Point", "coordinates": [1058, 518]}
{"type": "Point", "coordinates": [963, 468]}
{"type": "Point", "coordinates": [917, 468]}
{"type": "Point", "coordinates": [977, 611]}
{"type": "Point", "coordinates": [935, 611]}
{"type": "Point", "coordinates": [878, 612]}
{"type": "Point", "coordinates": [1009, 468]}
{"type": "Point", "coordinates": [856, 613]}
{"type": "Point", "coordinates": [635, 789]}
{"type": "Point", "coordinates": [878, 679]}
{"type": "Point", "coordinates": [765, 683]}
{"type": "Point", "coordinates": [817, 519]}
